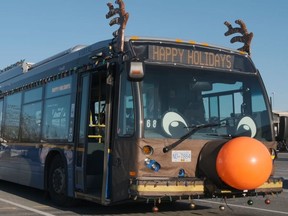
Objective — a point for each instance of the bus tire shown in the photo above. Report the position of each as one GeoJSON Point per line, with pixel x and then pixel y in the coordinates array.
{"type": "Point", "coordinates": [57, 183]}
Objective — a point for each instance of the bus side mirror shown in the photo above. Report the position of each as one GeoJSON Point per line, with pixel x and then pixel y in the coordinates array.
{"type": "Point", "coordinates": [136, 72]}
{"type": "Point", "coordinates": [283, 128]}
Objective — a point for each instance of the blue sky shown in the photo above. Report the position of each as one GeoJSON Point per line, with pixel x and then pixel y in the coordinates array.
{"type": "Point", "coordinates": [36, 29]}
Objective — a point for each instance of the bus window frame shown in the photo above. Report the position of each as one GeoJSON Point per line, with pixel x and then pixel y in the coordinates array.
{"type": "Point", "coordinates": [48, 97]}
{"type": "Point", "coordinates": [5, 118]}
{"type": "Point", "coordinates": [124, 81]}
{"type": "Point", "coordinates": [28, 101]}
{"type": "Point", "coordinates": [1, 116]}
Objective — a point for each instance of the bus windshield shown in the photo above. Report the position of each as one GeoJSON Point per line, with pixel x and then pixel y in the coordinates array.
{"type": "Point", "coordinates": [176, 100]}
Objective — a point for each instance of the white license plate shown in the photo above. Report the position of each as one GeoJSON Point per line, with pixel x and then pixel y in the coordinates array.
{"type": "Point", "coordinates": [181, 156]}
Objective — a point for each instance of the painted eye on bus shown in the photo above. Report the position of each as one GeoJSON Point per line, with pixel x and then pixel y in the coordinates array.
{"type": "Point", "coordinates": [147, 150]}
{"type": "Point", "coordinates": [174, 124]}
{"type": "Point", "coordinates": [246, 127]}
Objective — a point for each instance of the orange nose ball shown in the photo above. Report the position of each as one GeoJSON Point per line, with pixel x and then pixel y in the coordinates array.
{"type": "Point", "coordinates": [244, 163]}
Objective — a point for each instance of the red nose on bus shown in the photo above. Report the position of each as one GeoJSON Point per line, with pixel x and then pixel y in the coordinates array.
{"type": "Point", "coordinates": [242, 163]}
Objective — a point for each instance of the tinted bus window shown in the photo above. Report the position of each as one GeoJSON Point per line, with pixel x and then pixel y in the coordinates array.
{"type": "Point", "coordinates": [1, 116]}
{"type": "Point", "coordinates": [59, 87]}
{"type": "Point", "coordinates": [12, 116]}
{"type": "Point", "coordinates": [31, 122]}
{"type": "Point", "coordinates": [84, 112]}
{"type": "Point", "coordinates": [32, 95]}
{"type": "Point", "coordinates": [56, 118]}
{"type": "Point", "coordinates": [126, 124]}
{"type": "Point", "coordinates": [31, 115]}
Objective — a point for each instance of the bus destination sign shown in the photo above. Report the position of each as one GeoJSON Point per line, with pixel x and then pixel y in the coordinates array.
{"type": "Point", "coordinates": [207, 58]}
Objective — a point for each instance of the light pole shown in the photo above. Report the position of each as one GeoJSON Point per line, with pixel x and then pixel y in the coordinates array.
{"type": "Point", "coordinates": [273, 99]}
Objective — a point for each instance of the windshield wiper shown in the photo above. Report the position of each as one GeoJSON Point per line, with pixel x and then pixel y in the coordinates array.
{"type": "Point", "coordinates": [187, 135]}
{"type": "Point", "coordinates": [228, 136]}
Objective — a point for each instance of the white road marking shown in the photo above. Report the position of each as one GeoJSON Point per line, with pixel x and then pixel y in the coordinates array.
{"type": "Point", "coordinates": [26, 207]}
{"type": "Point", "coordinates": [246, 207]}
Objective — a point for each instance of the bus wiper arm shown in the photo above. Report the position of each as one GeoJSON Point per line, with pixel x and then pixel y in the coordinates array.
{"type": "Point", "coordinates": [185, 136]}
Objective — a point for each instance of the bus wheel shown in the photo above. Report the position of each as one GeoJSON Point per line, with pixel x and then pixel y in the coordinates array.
{"type": "Point", "coordinates": [57, 182]}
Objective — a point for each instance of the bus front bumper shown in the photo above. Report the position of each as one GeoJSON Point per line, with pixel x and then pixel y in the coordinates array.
{"type": "Point", "coordinates": [193, 187]}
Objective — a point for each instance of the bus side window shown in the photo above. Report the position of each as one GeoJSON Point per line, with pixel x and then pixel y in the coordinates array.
{"type": "Point", "coordinates": [56, 118]}
{"type": "Point", "coordinates": [12, 117]}
{"type": "Point", "coordinates": [126, 122]}
{"type": "Point", "coordinates": [56, 112]}
{"type": "Point", "coordinates": [1, 117]}
{"type": "Point", "coordinates": [31, 120]}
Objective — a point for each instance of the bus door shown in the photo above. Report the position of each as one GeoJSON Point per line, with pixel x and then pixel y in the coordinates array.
{"type": "Point", "coordinates": [90, 160]}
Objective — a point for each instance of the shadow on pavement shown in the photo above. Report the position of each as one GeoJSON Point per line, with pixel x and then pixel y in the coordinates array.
{"type": "Point", "coordinates": [89, 208]}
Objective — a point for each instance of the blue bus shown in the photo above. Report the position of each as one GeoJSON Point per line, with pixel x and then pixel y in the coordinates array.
{"type": "Point", "coordinates": [138, 118]}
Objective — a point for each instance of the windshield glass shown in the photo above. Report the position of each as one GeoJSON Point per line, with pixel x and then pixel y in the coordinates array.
{"type": "Point", "coordinates": [177, 99]}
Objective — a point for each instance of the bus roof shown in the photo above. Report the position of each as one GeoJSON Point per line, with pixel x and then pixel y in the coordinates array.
{"type": "Point", "coordinates": [62, 61]}
{"type": "Point", "coordinates": [78, 56]}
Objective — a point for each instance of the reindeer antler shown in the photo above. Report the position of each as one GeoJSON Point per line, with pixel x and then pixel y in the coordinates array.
{"type": "Point", "coordinates": [245, 38]}
{"type": "Point", "coordinates": [121, 20]}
